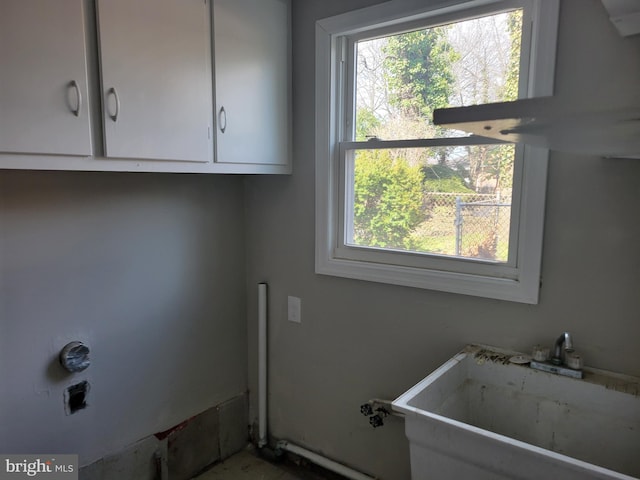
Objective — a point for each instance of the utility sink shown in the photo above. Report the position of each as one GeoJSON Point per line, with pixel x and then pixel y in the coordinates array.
{"type": "Point", "coordinates": [485, 414]}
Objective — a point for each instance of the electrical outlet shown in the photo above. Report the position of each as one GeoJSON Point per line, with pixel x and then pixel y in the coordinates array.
{"type": "Point", "coordinates": [293, 309]}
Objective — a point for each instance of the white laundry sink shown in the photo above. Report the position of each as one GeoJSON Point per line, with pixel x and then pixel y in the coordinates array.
{"type": "Point", "coordinates": [481, 416]}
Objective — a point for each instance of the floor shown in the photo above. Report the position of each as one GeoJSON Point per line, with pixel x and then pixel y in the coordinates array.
{"type": "Point", "coordinates": [248, 465]}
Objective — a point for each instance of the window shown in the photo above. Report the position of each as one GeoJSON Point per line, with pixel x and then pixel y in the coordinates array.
{"type": "Point", "coordinates": [402, 201]}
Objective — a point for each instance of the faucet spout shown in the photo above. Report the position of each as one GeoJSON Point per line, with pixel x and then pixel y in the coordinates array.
{"type": "Point", "coordinates": [564, 339]}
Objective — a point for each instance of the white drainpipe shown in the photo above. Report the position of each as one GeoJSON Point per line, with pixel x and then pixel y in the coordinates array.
{"type": "Point", "coordinates": [323, 461]}
{"type": "Point", "coordinates": [262, 402]}
{"type": "Point", "coordinates": [262, 365]}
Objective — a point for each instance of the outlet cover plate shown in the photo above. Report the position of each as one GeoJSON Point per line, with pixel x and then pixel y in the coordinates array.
{"type": "Point", "coordinates": [293, 309]}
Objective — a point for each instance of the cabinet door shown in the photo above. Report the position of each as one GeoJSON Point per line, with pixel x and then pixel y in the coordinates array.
{"type": "Point", "coordinates": [251, 44]}
{"type": "Point", "coordinates": [43, 78]}
{"type": "Point", "coordinates": [155, 58]}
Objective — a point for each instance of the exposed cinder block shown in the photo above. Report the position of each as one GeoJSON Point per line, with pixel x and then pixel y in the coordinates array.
{"type": "Point", "coordinates": [181, 452]}
{"type": "Point", "coordinates": [234, 434]}
{"type": "Point", "coordinates": [141, 461]}
{"type": "Point", "coordinates": [138, 461]}
{"type": "Point", "coordinates": [194, 445]}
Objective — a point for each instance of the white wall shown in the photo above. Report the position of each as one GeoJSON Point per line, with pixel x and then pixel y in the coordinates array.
{"type": "Point", "coordinates": [361, 340]}
{"type": "Point", "coordinates": [149, 271]}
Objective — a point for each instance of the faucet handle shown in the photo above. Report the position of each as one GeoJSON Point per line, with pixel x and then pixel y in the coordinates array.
{"type": "Point", "coordinates": [540, 353]}
{"type": "Point", "coordinates": [573, 361]}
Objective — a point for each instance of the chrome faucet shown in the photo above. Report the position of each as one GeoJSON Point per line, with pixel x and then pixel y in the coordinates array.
{"type": "Point", "coordinates": [564, 339]}
{"type": "Point", "coordinates": [563, 361]}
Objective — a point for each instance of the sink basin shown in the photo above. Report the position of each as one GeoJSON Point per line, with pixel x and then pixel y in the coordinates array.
{"type": "Point", "coordinates": [482, 416]}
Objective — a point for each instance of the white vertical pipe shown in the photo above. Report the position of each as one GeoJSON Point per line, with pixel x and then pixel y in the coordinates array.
{"type": "Point", "coordinates": [262, 365]}
{"type": "Point", "coordinates": [262, 401]}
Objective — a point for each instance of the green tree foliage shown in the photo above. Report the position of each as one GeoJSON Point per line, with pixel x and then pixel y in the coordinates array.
{"type": "Point", "coordinates": [388, 199]}
{"type": "Point", "coordinates": [444, 179]}
{"type": "Point", "coordinates": [514, 25]}
{"type": "Point", "coordinates": [418, 71]}
{"type": "Point", "coordinates": [366, 124]}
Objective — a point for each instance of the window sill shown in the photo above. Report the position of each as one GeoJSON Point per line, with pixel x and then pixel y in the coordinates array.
{"type": "Point", "coordinates": [515, 290]}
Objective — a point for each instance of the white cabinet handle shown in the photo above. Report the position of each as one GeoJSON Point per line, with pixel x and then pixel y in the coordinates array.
{"type": "Point", "coordinates": [222, 119]}
{"type": "Point", "coordinates": [113, 116]}
{"type": "Point", "coordinates": [76, 111]}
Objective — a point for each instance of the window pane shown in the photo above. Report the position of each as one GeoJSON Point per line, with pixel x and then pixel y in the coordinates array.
{"type": "Point", "coordinates": [453, 201]}
{"type": "Point", "coordinates": [401, 79]}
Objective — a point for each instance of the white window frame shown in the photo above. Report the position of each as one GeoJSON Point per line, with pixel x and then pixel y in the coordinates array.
{"type": "Point", "coordinates": [516, 280]}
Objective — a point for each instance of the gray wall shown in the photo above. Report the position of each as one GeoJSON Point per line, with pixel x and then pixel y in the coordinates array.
{"type": "Point", "coordinates": [360, 340]}
{"type": "Point", "coordinates": [149, 271]}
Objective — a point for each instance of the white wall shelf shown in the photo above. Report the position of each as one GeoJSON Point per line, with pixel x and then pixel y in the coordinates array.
{"type": "Point", "coordinates": [543, 122]}
{"type": "Point", "coordinates": [625, 15]}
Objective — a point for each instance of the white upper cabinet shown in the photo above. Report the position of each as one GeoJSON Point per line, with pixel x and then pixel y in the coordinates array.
{"type": "Point", "coordinates": [43, 78]}
{"type": "Point", "coordinates": [155, 63]}
{"type": "Point", "coordinates": [252, 84]}
{"type": "Point", "coordinates": [129, 85]}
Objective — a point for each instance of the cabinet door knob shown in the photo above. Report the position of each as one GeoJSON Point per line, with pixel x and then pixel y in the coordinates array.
{"type": "Point", "coordinates": [222, 119]}
{"type": "Point", "coordinates": [112, 92]}
{"type": "Point", "coordinates": [74, 85]}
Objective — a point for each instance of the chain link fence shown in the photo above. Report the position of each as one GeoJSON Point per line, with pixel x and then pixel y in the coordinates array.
{"type": "Point", "coordinates": [468, 225]}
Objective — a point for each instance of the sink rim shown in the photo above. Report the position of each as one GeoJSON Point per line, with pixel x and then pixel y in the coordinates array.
{"type": "Point", "coordinates": [621, 383]}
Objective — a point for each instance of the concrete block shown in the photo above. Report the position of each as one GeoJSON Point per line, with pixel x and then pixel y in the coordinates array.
{"type": "Point", "coordinates": [234, 432]}
{"type": "Point", "coordinates": [194, 446]}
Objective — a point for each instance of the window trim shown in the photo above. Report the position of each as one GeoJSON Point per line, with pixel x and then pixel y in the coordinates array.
{"type": "Point", "coordinates": [519, 282]}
